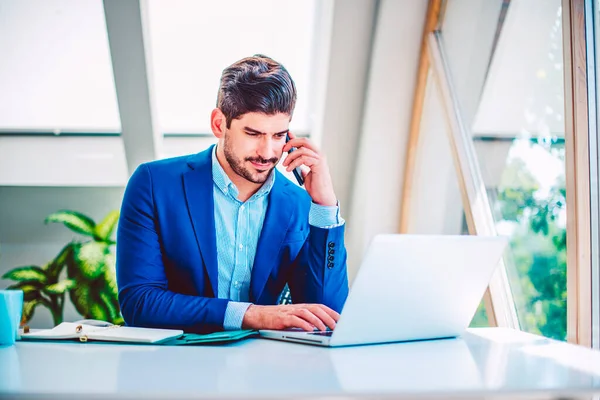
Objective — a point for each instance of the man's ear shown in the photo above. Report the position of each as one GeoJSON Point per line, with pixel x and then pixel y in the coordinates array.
{"type": "Point", "coordinates": [218, 123]}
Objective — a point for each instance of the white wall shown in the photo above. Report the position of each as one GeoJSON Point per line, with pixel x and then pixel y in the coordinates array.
{"type": "Point", "coordinates": [349, 59]}
{"type": "Point", "coordinates": [380, 160]}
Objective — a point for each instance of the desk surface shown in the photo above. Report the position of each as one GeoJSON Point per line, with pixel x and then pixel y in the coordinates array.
{"type": "Point", "coordinates": [487, 361]}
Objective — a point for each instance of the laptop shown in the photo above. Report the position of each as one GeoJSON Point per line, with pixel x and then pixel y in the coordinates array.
{"type": "Point", "coordinates": [411, 287]}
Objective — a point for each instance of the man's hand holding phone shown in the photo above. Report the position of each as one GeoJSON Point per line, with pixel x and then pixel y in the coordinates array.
{"type": "Point", "coordinates": [297, 171]}
{"type": "Point", "coordinates": [317, 179]}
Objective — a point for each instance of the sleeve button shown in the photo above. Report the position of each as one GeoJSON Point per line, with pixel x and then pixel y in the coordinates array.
{"type": "Point", "coordinates": [330, 265]}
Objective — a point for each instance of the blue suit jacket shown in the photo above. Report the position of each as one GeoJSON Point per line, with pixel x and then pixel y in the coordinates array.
{"type": "Point", "coordinates": [167, 257]}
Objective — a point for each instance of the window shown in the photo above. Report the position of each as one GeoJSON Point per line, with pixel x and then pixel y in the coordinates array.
{"type": "Point", "coordinates": [436, 206]}
{"type": "Point", "coordinates": [56, 73]}
{"type": "Point", "coordinates": [435, 202]}
{"type": "Point", "coordinates": [193, 41]}
{"type": "Point", "coordinates": [506, 67]}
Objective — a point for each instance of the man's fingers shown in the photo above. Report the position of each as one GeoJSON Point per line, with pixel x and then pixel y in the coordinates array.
{"type": "Point", "coordinates": [307, 315]}
{"type": "Point", "coordinates": [299, 153]}
{"type": "Point", "coordinates": [323, 316]}
{"type": "Point", "coordinates": [302, 160]}
{"type": "Point", "coordinates": [305, 171]}
{"type": "Point", "coordinates": [332, 313]}
{"type": "Point", "coordinates": [299, 143]}
{"type": "Point", "coordinates": [295, 321]}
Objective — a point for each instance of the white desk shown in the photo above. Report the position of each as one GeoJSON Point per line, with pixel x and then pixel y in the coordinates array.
{"type": "Point", "coordinates": [484, 362]}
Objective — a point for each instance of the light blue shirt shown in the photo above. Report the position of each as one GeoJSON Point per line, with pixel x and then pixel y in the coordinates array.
{"type": "Point", "coordinates": [238, 226]}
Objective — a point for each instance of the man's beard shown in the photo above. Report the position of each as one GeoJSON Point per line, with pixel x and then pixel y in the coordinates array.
{"type": "Point", "coordinates": [238, 167]}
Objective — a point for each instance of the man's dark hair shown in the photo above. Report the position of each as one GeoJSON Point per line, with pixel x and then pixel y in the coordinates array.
{"type": "Point", "coordinates": [256, 84]}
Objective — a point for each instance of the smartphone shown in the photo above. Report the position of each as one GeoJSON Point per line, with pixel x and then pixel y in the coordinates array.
{"type": "Point", "coordinates": [297, 171]}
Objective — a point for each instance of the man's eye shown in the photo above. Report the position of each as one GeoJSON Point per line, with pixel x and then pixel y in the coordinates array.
{"type": "Point", "coordinates": [280, 136]}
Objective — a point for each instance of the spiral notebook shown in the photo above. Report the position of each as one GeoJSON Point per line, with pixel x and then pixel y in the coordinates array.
{"type": "Point", "coordinates": [102, 331]}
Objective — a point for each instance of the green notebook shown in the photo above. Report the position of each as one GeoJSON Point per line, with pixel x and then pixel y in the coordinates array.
{"type": "Point", "coordinates": [191, 339]}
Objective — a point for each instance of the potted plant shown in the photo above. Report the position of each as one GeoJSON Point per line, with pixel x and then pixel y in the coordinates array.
{"type": "Point", "coordinates": [83, 269]}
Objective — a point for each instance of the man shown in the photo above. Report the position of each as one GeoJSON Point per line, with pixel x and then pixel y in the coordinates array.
{"type": "Point", "coordinates": [208, 241]}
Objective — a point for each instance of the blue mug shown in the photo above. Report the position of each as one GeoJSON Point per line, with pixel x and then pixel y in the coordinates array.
{"type": "Point", "coordinates": [11, 307]}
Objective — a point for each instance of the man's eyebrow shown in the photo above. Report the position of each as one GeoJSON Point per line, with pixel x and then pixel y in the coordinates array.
{"type": "Point", "coordinates": [246, 128]}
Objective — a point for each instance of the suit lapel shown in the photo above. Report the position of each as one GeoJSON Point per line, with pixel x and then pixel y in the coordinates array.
{"type": "Point", "coordinates": [277, 220]}
{"type": "Point", "coordinates": [198, 185]}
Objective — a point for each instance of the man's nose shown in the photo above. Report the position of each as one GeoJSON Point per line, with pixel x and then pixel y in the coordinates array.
{"type": "Point", "coordinates": [268, 148]}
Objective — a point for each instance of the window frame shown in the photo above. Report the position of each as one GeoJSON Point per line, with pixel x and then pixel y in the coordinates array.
{"type": "Point", "coordinates": [580, 143]}
{"type": "Point", "coordinates": [498, 298]}
{"type": "Point", "coordinates": [582, 168]}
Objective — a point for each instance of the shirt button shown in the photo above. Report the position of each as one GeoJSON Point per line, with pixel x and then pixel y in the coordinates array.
{"type": "Point", "coordinates": [242, 208]}
{"type": "Point", "coordinates": [241, 247]}
{"type": "Point", "coordinates": [236, 284]}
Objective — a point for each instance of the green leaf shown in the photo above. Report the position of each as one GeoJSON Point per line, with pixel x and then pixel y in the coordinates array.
{"type": "Point", "coordinates": [29, 307]}
{"type": "Point", "coordinates": [55, 266]}
{"type": "Point", "coordinates": [91, 258]}
{"type": "Point", "coordinates": [60, 287]}
{"type": "Point", "coordinates": [110, 277]}
{"type": "Point", "coordinates": [28, 273]}
{"type": "Point", "coordinates": [81, 299]}
{"type": "Point", "coordinates": [105, 228]}
{"type": "Point", "coordinates": [98, 311]}
{"type": "Point", "coordinates": [73, 220]}
{"type": "Point", "coordinates": [111, 304]}
{"type": "Point", "coordinates": [30, 291]}
{"type": "Point", "coordinates": [26, 286]}
{"type": "Point", "coordinates": [88, 303]}
{"type": "Point", "coordinates": [108, 291]}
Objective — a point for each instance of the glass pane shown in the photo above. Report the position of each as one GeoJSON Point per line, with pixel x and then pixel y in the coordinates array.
{"type": "Point", "coordinates": [515, 113]}
{"type": "Point", "coordinates": [529, 205]}
{"type": "Point", "coordinates": [480, 320]}
{"type": "Point", "coordinates": [56, 72]}
{"type": "Point", "coordinates": [435, 200]}
{"type": "Point", "coordinates": [193, 41]}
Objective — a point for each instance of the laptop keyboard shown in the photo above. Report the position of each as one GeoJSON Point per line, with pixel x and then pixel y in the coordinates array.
{"type": "Point", "coordinates": [321, 333]}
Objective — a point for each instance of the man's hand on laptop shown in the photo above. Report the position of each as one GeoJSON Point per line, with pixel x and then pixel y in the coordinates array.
{"type": "Point", "coordinates": [303, 316]}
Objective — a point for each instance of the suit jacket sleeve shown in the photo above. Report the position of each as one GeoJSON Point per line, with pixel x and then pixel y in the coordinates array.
{"type": "Point", "coordinates": [319, 273]}
{"type": "Point", "coordinates": [144, 296]}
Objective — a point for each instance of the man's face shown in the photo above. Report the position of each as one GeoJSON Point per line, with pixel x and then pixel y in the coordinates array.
{"type": "Point", "coordinates": [253, 144]}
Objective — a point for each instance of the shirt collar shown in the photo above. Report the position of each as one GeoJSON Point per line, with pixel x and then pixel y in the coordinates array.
{"type": "Point", "coordinates": [225, 185]}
